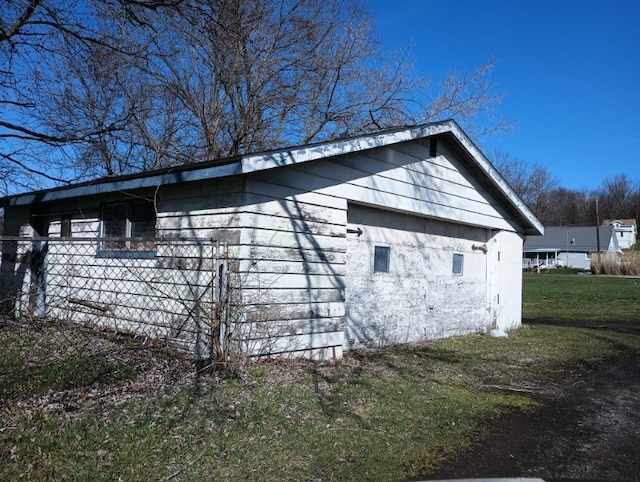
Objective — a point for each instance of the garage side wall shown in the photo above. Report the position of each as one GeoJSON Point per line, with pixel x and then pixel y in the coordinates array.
{"type": "Point", "coordinates": [158, 292]}
{"type": "Point", "coordinates": [407, 177]}
{"type": "Point", "coordinates": [422, 295]}
{"type": "Point", "coordinates": [292, 268]}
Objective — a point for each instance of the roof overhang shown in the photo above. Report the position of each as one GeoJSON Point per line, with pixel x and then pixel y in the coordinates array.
{"type": "Point", "coordinates": [479, 165]}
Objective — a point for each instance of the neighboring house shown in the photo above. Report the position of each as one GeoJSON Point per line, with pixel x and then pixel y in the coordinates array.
{"type": "Point", "coordinates": [626, 230]}
{"type": "Point", "coordinates": [381, 239]}
{"type": "Point", "coordinates": [568, 246]}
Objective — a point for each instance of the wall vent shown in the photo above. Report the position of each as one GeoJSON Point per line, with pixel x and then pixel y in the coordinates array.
{"type": "Point", "coordinates": [433, 147]}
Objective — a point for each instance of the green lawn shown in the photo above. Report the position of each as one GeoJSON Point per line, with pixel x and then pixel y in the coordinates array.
{"type": "Point", "coordinates": [375, 415]}
{"type": "Point", "coordinates": [581, 297]}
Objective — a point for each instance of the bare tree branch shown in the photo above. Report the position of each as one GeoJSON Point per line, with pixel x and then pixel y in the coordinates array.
{"type": "Point", "coordinates": [31, 170]}
{"type": "Point", "coordinates": [7, 34]}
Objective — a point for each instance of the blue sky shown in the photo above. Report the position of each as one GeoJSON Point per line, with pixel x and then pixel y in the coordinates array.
{"type": "Point", "coordinates": [569, 71]}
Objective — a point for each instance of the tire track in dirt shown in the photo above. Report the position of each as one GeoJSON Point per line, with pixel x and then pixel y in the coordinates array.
{"type": "Point", "coordinates": [586, 428]}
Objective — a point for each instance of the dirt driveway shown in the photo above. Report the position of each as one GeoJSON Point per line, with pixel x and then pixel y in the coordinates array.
{"type": "Point", "coordinates": [587, 428]}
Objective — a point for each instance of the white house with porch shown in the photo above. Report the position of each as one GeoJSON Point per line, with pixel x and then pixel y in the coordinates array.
{"type": "Point", "coordinates": [568, 246]}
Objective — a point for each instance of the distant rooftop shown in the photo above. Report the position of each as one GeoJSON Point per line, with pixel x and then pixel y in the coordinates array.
{"type": "Point", "coordinates": [625, 222]}
{"type": "Point", "coordinates": [570, 238]}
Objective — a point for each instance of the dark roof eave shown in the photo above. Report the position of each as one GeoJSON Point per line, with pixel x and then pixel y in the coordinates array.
{"type": "Point", "coordinates": [125, 183]}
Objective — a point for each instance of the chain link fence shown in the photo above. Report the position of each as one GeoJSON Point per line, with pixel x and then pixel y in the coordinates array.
{"type": "Point", "coordinates": [170, 289]}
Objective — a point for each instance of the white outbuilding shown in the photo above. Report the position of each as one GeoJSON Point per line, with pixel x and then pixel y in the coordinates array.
{"type": "Point", "coordinates": [382, 239]}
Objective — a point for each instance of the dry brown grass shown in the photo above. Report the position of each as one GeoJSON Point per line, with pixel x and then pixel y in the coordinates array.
{"type": "Point", "coordinates": [616, 264]}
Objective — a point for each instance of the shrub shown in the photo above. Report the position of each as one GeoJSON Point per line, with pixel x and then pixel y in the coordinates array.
{"type": "Point", "coordinates": [626, 263]}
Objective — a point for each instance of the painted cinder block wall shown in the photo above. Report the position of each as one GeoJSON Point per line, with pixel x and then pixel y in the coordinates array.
{"type": "Point", "coordinates": [419, 297]}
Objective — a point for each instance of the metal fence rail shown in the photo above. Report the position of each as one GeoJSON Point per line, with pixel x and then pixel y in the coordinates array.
{"type": "Point", "coordinates": [166, 288]}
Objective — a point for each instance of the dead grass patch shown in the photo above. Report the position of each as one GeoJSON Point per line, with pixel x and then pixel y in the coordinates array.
{"type": "Point", "coordinates": [626, 263]}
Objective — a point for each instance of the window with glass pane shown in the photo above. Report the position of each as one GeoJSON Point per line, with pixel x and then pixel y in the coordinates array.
{"type": "Point", "coordinates": [65, 226]}
{"type": "Point", "coordinates": [381, 259]}
{"type": "Point", "coordinates": [133, 223]}
{"type": "Point", "coordinates": [114, 225]}
{"type": "Point", "coordinates": [458, 260]}
{"type": "Point", "coordinates": [143, 225]}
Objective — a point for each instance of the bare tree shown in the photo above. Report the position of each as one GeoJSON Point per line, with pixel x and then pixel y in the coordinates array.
{"type": "Point", "coordinates": [104, 87]}
{"type": "Point", "coordinates": [262, 75]}
{"type": "Point", "coordinates": [570, 207]}
{"type": "Point", "coordinates": [37, 39]}
{"type": "Point", "coordinates": [22, 33]}
{"type": "Point", "coordinates": [531, 181]}
{"type": "Point", "coordinates": [619, 197]}
{"type": "Point", "coordinates": [101, 91]}
{"type": "Point", "coordinates": [467, 96]}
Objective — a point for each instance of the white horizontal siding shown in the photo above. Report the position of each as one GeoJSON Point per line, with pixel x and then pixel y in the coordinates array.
{"type": "Point", "coordinates": [292, 268]}
{"type": "Point", "coordinates": [270, 186]}
{"type": "Point", "coordinates": [303, 241]}
{"type": "Point", "coordinates": [203, 195]}
{"type": "Point", "coordinates": [172, 221]}
{"type": "Point", "coordinates": [312, 345]}
{"type": "Point", "coordinates": [311, 226]}
{"type": "Point", "coordinates": [291, 256]}
{"type": "Point", "coordinates": [279, 265]}
{"type": "Point", "coordinates": [434, 187]}
{"type": "Point", "coordinates": [288, 281]}
{"type": "Point", "coordinates": [410, 164]}
{"type": "Point", "coordinates": [307, 314]}
{"type": "Point", "coordinates": [255, 296]}
{"type": "Point", "coordinates": [211, 209]}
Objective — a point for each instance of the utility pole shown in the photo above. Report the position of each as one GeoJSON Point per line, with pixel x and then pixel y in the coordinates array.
{"type": "Point", "coordinates": [597, 226]}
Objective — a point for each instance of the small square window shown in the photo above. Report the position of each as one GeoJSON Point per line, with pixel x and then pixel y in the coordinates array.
{"type": "Point", "coordinates": [381, 259]}
{"type": "Point", "coordinates": [458, 261]}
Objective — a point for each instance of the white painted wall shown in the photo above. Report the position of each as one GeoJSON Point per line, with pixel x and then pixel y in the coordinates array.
{"type": "Point", "coordinates": [577, 260]}
{"type": "Point", "coordinates": [296, 264]}
{"type": "Point", "coordinates": [402, 178]}
{"type": "Point", "coordinates": [625, 234]}
{"type": "Point", "coordinates": [292, 268]}
{"type": "Point", "coordinates": [149, 297]}
{"type": "Point", "coordinates": [419, 298]}
{"type": "Point", "coordinates": [504, 256]}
